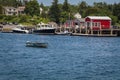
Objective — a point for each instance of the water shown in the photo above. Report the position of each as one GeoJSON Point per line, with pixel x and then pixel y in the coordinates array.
{"type": "Point", "coordinates": [66, 58]}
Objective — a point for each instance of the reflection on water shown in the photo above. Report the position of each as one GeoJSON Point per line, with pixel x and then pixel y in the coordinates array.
{"type": "Point", "coordinates": [66, 58]}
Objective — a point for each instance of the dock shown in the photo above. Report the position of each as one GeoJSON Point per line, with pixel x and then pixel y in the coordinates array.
{"type": "Point", "coordinates": [94, 35]}
{"type": "Point", "coordinates": [91, 33]}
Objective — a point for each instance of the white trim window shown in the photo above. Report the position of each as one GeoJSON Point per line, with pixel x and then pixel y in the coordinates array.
{"type": "Point", "coordinates": [96, 24]}
{"type": "Point", "coordinates": [88, 24]}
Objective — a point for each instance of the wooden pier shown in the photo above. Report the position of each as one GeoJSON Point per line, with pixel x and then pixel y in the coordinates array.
{"type": "Point", "coordinates": [89, 32]}
{"type": "Point", "coordinates": [94, 35]}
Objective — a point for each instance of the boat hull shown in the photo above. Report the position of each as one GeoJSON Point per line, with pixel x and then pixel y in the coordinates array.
{"type": "Point", "coordinates": [18, 31]}
{"type": "Point", "coordinates": [44, 31]}
{"type": "Point", "coordinates": [36, 44]}
{"type": "Point", "coordinates": [63, 33]}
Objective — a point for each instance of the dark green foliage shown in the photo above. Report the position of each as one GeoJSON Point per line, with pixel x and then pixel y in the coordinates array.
{"type": "Point", "coordinates": [19, 3]}
{"type": "Point", "coordinates": [65, 12]}
{"type": "Point", "coordinates": [100, 5]}
{"type": "Point", "coordinates": [32, 8]}
{"type": "Point", "coordinates": [91, 11]}
{"type": "Point", "coordinates": [44, 11]}
{"type": "Point", "coordinates": [13, 3]}
{"type": "Point", "coordinates": [114, 19]}
{"type": "Point", "coordinates": [54, 12]}
{"type": "Point", "coordinates": [65, 6]}
{"type": "Point", "coordinates": [0, 9]}
{"type": "Point", "coordinates": [64, 16]}
{"type": "Point", "coordinates": [23, 19]}
{"type": "Point", "coordinates": [73, 9]}
{"type": "Point", "coordinates": [82, 7]}
{"type": "Point", "coordinates": [42, 5]}
{"type": "Point", "coordinates": [116, 10]}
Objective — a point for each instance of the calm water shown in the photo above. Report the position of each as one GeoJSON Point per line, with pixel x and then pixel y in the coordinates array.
{"type": "Point", "coordinates": [66, 58]}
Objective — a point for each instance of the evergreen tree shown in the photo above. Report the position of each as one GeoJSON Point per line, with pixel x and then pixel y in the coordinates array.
{"type": "Point", "coordinates": [116, 10]}
{"type": "Point", "coordinates": [13, 3]}
{"type": "Point", "coordinates": [82, 7]}
{"type": "Point", "coordinates": [100, 5]}
{"type": "Point", "coordinates": [42, 5]}
{"type": "Point", "coordinates": [43, 12]}
{"type": "Point", "coordinates": [65, 14]}
{"type": "Point", "coordinates": [32, 8]}
{"type": "Point", "coordinates": [19, 3]}
{"type": "Point", "coordinates": [54, 12]}
{"type": "Point", "coordinates": [0, 9]}
{"type": "Point", "coordinates": [66, 6]}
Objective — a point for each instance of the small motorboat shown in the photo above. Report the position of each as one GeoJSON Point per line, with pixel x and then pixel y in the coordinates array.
{"type": "Point", "coordinates": [63, 33]}
{"type": "Point", "coordinates": [36, 44]}
{"type": "Point", "coordinates": [20, 29]}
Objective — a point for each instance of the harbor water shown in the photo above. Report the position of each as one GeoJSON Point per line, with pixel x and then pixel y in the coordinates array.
{"type": "Point", "coordinates": [66, 58]}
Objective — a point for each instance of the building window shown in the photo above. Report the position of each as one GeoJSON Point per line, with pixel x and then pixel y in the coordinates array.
{"type": "Point", "coordinates": [98, 24]}
{"type": "Point", "coordinates": [9, 9]}
{"type": "Point", "coordinates": [93, 24]}
{"type": "Point", "coordinates": [88, 24]}
{"type": "Point", "coordinates": [9, 12]}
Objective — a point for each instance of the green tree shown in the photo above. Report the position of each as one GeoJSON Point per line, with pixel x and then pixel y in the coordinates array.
{"type": "Point", "coordinates": [43, 12]}
{"type": "Point", "coordinates": [114, 19]}
{"type": "Point", "coordinates": [32, 8]}
{"type": "Point", "coordinates": [100, 5]}
{"type": "Point", "coordinates": [54, 12]}
{"type": "Point", "coordinates": [0, 9]}
{"type": "Point", "coordinates": [23, 18]}
{"type": "Point", "coordinates": [64, 16]}
{"type": "Point", "coordinates": [65, 6]}
{"type": "Point", "coordinates": [19, 3]}
{"type": "Point", "coordinates": [13, 3]}
{"type": "Point", "coordinates": [116, 10]}
{"type": "Point", "coordinates": [91, 11]}
{"type": "Point", "coordinates": [73, 9]}
{"type": "Point", "coordinates": [65, 11]}
{"type": "Point", "coordinates": [82, 7]}
{"type": "Point", "coordinates": [42, 5]}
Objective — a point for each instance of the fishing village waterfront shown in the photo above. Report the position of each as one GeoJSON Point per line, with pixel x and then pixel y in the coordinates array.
{"type": "Point", "coordinates": [59, 40]}
{"type": "Point", "coordinates": [112, 32]}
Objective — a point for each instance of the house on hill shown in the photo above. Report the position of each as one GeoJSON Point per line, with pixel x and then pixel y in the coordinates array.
{"type": "Point", "coordinates": [10, 11]}
{"type": "Point", "coordinates": [78, 16]}
{"type": "Point", "coordinates": [21, 10]}
{"type": "Point", "coordinates": [13, 10]}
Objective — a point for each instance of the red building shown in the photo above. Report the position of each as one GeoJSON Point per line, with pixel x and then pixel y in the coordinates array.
{"type": "Point", "coordinates": [98, 22]}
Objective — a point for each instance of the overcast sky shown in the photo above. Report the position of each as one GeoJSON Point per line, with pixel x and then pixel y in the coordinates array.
{"type": "Point", "coordinates": [89, 2]}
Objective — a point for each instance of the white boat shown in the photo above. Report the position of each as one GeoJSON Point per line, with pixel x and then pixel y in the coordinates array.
{"type": "Point", "coordinates": [44, 29]}
{"type": "Point", "coordinates": [64, 33]}
{"type": "Point", "coordinates": [20, 29]}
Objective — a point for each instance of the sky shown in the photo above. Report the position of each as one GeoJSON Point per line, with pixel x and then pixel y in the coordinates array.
{"type": "Point", "coordinates": [89, 2]}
